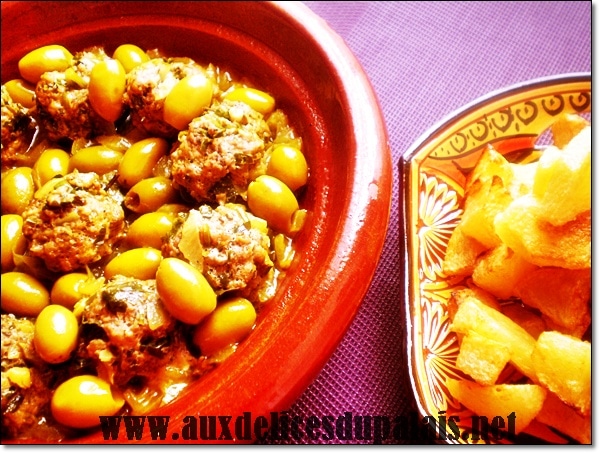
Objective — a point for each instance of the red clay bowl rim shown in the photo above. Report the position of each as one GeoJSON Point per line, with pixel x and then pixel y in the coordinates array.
{"type": "Point", "coordinates": [259, 383]}
{"type": "Point", "coordinates": [404, 167]}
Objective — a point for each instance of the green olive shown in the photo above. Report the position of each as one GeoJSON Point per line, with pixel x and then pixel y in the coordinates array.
{"type": "Point", "coordinates": [23, 294]}
{"type": "Point", "coordinates": [21, 92]}
{"type": "Point", "coordinates": [97, 158]}
{"type": "Point", "coordinates": [150, 194]}
{"type": "Point", "coordinates": [44, 59]}
{"type": "Point", "coordinates": [106, 89]}
{"type": "Point", "coordinates": [52, 162]}
{"type": "Point", "coordinates": [187, 100]}
{"type": "Point", "coordinates": [185, 292]}
{"type": "Point", "coordinates": [227, 325]}
{"type": "Point", "coordinates": [140, 263]}
{"type": "Point", "coordinates": [173, 208]}
{"type": "Point", "coordinates": [67, 289]}
{"type": "Point", "coordinates": [149, 229]}
{"type": "Point", "coordinates": [81, 400]}
{"type": "Point", "coordinates": [17, 190]}
{"type": "Point", "coordinates": [55, 335]}
{"type": "Point", "coordinates": [259, 100]}
{"type": "Point", "coordinates": [272, 200]}
{"type": "Point", "coordinates": [13, 240]}
{"type": "Point", "coordinates": [287, 163]}
{"type": "Point", "coordinates": [130, 56]}
{"type": "Point", "coordinates": [140, 159]}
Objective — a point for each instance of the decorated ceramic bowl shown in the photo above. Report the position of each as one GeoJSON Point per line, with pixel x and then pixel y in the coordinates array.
{"type": "Point", "coordinates": [291, 53]}
{"type": "Point", "coordinates": [515, 121]}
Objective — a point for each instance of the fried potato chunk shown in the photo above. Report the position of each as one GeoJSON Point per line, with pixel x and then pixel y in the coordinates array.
{"type": "Point", "coordinates": [485, 200]}
{"type": "Point", "coordinates": [481, 358]}
{"type": "Point", "coordinates": [460, 295]}
{"type": "Point", "coordinates": [499, 270]}
{"type": "Point", "coordinates": [526, 317]}
{"type": "Point", "coordinates": [566, 127]}
{"type": "Point", "coordinates": [486, 194]}
{"type": "Point", "coordinates": [491, 164]}
{"type": "Point", "coordinates": [525, 400]}
{"type": "Point", "coordinates": [474, 315]}
{"type": "Point", "coordinates": [558, 415]}
{"type": "Point", "coordinates": [563, 364]}
{"type": "Point", "coordinates": [520, 227]}
{"type": "Point", "coordinates": [561, 295]}
{"type": "Point", "coordinates": [563, 180]}
{"type": "Point", "coordinates": [461, 253]}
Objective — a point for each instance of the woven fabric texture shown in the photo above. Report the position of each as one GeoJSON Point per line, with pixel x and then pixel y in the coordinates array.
{"type": "Point", "coordinates": [425, 60]}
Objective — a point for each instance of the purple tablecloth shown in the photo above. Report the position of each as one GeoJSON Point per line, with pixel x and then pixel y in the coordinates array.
{"type": "Point", "coordinates": [426, 59]}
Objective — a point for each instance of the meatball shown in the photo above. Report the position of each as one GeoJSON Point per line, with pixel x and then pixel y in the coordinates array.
{"type": "Point", "coordinates": [127, 332]}
{"type": "Point", "coordinates": [63, 109]}
{"type": "Point", "coordinates": [25, 391]}
{"type": "Point", "coordinates": [225, 244]}
{"type": "Point", "coordinates": [147, 87]}
{"type": "Point", "coordinates": [220, 152]}
{"type": "Point", "coordinates": [18, 129]}
{"type": "Point", "coordinates": [75, 223]}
